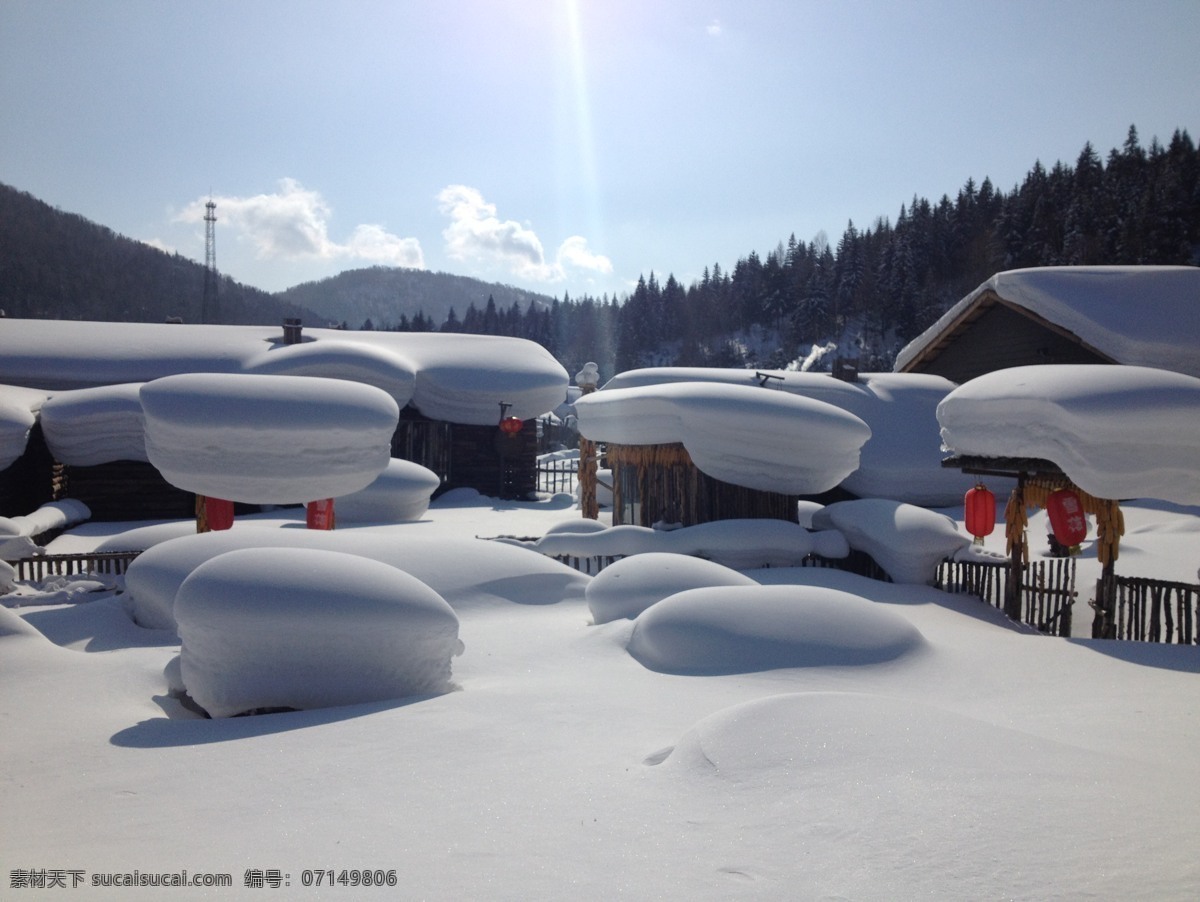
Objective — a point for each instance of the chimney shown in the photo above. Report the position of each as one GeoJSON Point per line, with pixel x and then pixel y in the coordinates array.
{"type": "Point", "coordinates": [291, 331]}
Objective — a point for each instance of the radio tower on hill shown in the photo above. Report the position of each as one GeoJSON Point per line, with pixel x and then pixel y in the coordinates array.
{"type": "Point", "coordinates": [210, 311]}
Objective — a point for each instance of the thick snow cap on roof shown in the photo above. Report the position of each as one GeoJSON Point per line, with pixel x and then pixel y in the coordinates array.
{"type": "Point", "coordinates": [1137, 315]}
{"type": "Point", "coordinates": [455, 378]}
{"type": "Point", "coordinates": [17, 416]}
{"type": "Point", "coordinates": [902, 459]}
{"type": "Point", "coordinates": [267, 439]}
{"type": "Point", "coordinates": [753, 437]}
{"type": "Point", "coordinates": [90, 426]}
{"type": "Point", "coordinates": [1116, 431]}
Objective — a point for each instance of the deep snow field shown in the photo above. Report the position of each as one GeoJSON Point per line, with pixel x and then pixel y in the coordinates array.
{"type": "Point", "coordinates": [826, 737]}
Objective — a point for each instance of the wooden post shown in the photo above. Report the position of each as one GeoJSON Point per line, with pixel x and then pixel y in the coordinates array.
{"type": "Point", "coordinates": [589, 503]}
{"type": "Point", "coordinates": [1104, 623]}
{"type": "Point", "coordinates": [1016, 556]}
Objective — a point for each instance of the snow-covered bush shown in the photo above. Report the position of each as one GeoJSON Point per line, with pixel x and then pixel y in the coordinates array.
{"type": "Point", "coordinates": [629, 586]}
{"type": "Point", "coordinates": [399, 494]}
{"type": "Point", "coordinates": [291, 628]}
{"type": "Point", "coordinates": [740, 629]}
{"type": "Point", "coordinates": [908, 542]}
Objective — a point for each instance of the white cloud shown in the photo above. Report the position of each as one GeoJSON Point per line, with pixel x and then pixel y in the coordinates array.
{"type": "Point", "coordinates": [159, 244]}
{"type": "Point", "coordinates": [292, 224]}
{"type": "Point", "coordinates": [477, 233]}
{"type": "Point", "coordinates": [714, 28]}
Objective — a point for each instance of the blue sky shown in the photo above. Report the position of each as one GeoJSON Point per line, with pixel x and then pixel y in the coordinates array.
{"type": "Point", "coordinates": [559, 145]}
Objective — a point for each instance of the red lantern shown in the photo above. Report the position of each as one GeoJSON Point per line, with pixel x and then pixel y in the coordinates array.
{"type": "Point", "coordinates": [1067, 517]}
{"type": "Point", "coordinates": [980, 507]}
{"type": "Point", "coordinates": [511, 425]}
{"type": "Point", "coordinates": [218, 512]}
{"type": "Point", "coordinates": [319, 514]}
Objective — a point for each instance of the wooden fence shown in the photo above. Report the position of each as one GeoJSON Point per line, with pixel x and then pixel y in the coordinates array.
{"type": "Point", "coordinates": [1151, 610]}
{"type": "Point", "coordinates": [554, 476]}
{"type": "Point", "coordinates": [36, 568]}
{"type": "Point", "coordinates": [1047, 589]}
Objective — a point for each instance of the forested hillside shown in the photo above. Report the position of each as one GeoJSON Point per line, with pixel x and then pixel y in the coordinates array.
{"type": "Point", "coordinates": [869, 292]}
{"type": "Point", "coordinates": [879, 286]}
{"type": "Point", "coordinates": [56, 265]}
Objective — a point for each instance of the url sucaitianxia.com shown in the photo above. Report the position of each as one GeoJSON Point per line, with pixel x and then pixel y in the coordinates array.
{"type": "Point", "coordinates": [252, 878]}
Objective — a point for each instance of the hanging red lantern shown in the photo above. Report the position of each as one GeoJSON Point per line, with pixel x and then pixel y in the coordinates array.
{"type": "Point", "coordinates": [979, 505]}
{"type": "Point", "coordinates": [218, 512]}
{"type": "Point", "coordinates": [1067, 517]}
{"type": "Point", "coordinates": [511, 425]}
{"type": "Point", "coordinates": [319, 514]}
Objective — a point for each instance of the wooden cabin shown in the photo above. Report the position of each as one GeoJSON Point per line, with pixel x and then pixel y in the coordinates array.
{"type": "Point", "coordinates": [1131, 315]}
{"type": "Point", "coordinates": [660, 484]}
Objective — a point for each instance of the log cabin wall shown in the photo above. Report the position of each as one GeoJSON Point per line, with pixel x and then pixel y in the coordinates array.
{"type": "Point", "coordinates": [30, 481]}
{"type": "Point", "coordinates": [660, 483]}
{"type": "Point", "coordinates": [126, 490]}
{"type": "Point", "coordinates": [463, 456]}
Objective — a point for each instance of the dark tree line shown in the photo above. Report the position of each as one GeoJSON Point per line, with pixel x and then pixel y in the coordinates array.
{"type": "Point", "coordinates": [870, 293]}
{"type": "Point", "coordinates": [880, 286]}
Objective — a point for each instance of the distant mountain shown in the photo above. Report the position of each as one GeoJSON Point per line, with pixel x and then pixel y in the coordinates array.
{"type": "Point", "coordinates": [384, 294]}
{"type": "Point", "coordinates": [56, 265]}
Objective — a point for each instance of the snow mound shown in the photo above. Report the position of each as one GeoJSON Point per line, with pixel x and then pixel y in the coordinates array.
{"type": "Point", "coordinates": [292, 628]}
{"type": "Point", "coordinates": [399, 494]}
{"type": "Point", "coordinates": [463, 571]}
{"type": "Point", "coordinates": [267, 439]}
{"type": "Point", "coordinates": [1116, 431]}
{"type": "Point", "coordinates": [91, 426]}
{"type": "Point", "coordinates": [800, 446]}
{"type": "Point", "coordinates": [908, 542]}
{"type": "Point", "coordinates": [742, 629]}
{"type": "Point", "coordinates": [50, 516]}
{"type": "Point", "coordinates": [633, 584]}
{"type": "Point", "coordinates": [798, 742]}
{"type": "Point", "coordinates": [741, 544]}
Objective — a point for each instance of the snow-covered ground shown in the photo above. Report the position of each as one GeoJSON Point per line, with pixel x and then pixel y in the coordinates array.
{"type": "Point", "coordinates": [817, 736]}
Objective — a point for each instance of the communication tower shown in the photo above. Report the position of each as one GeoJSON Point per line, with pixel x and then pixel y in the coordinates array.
{"type": "Point", "coordinates": [210, 311]}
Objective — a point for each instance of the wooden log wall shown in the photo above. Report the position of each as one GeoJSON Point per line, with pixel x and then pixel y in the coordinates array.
{"type": "Point", "coordinates": [31, 480]}
{"type": "Point", "coordinates": [127, 490]}
{"type": "Point", "coordinates": [669, 488]}
{"type": "Point", "coordinates": [477, 457]}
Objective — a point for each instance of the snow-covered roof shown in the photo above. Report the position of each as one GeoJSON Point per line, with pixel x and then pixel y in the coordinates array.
{"type": "Point", "coordinates": [456, 378]}
{"type": "Point", "coordinates": [1117, 432]}
{"type": "Point", "coordinates": [902, 458]}
{"type": "Point", "coordinates": [1137, 315]}
{"type": "Point", "coordinates": [754, 437]}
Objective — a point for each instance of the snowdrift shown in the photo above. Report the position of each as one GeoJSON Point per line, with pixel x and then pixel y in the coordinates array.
{"type": "Point", "coordinates": [632, 584]}
{"type": "Point", "coordinates": [269, 628]}
{"type": "Point", "coordinates": [741, 629]}
{"type": "Point", "coordinates": [465, 572]}
{"type": "Point", "coordinates": [907, 541]}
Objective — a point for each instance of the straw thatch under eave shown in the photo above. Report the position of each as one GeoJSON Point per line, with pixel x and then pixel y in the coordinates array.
{"type": "Point", "coordinates": [660, 483]}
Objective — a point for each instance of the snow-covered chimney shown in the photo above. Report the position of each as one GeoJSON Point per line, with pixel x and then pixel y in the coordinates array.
{"type": "Point", "coordinates": [291, 331]}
